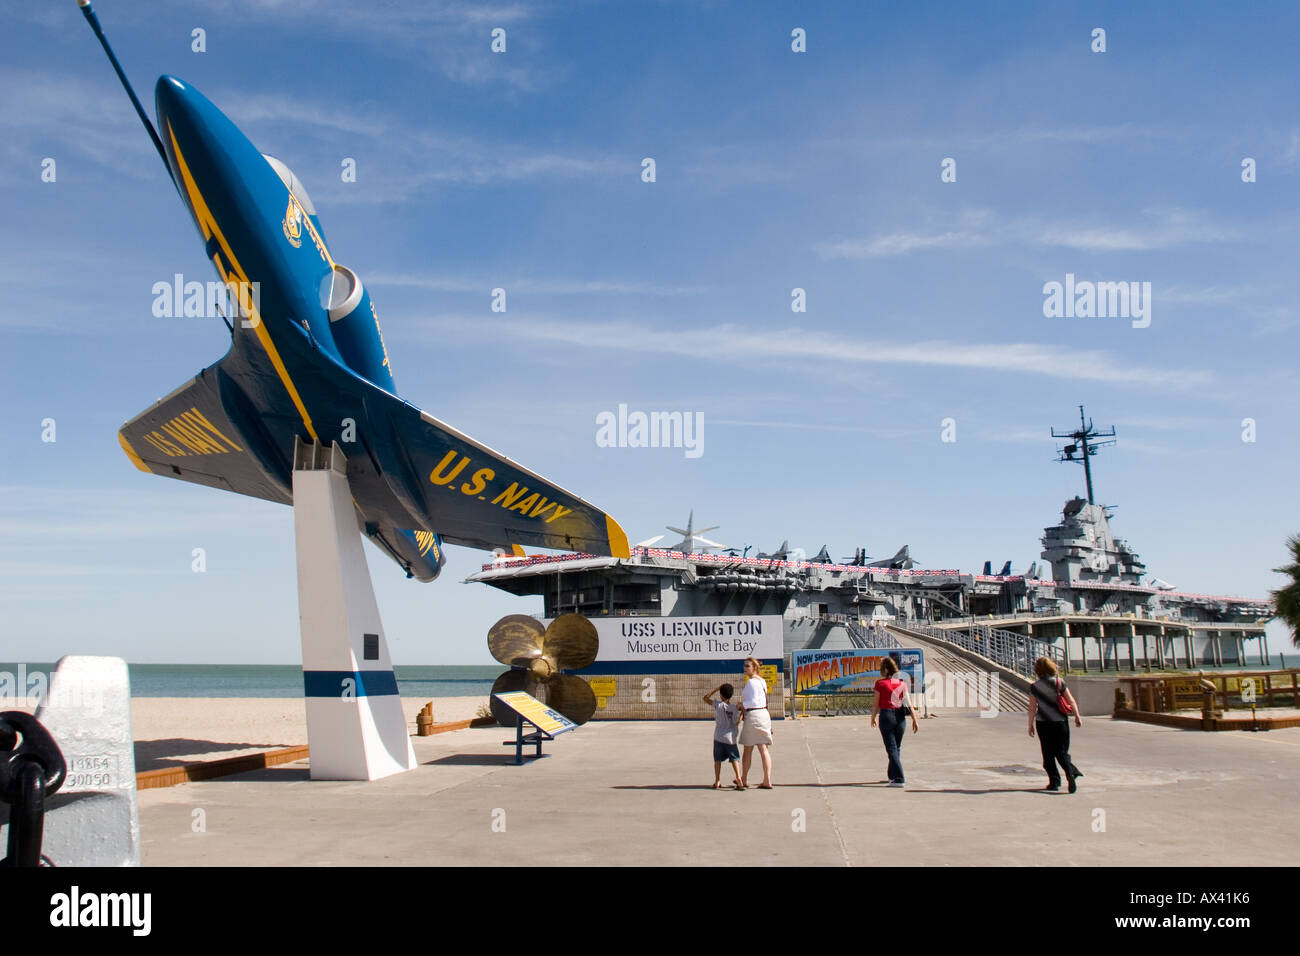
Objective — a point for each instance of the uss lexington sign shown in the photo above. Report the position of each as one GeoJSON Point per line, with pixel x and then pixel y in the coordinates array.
{"type": "Point", "coordinates": [627, 639]}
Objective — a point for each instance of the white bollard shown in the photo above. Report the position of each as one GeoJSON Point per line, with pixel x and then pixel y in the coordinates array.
{"type": "Point", "coordinates": [93, 820]}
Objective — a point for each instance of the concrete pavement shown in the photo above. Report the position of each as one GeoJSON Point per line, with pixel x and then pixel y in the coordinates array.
{"type": "Point", "coordinates": [637, 794]}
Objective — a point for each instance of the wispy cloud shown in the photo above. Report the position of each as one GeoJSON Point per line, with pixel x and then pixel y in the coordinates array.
{"type": "Point", "coordinates": [59, 569]}
{"type": "Point", "coordinates": [1077, 134]}
{"type": "Point", "coordinates": [405, 179]}
{"type": "Point", "coordinates": [735, 165]}
{"type": "Point", "coordinates": [819, 427]}
{"type": "Point", "coordinates": [1018, 436]}
{"type": "Point", "coordinates": [1167, 228]}
{"type": "Point", "coordinates": [393, 20]}
{"type": "Point", "coordinates": [731, 343]}
{"type": "Point", "coordinates": [117, 515]}
{"type": "Point", "coordinates": [899, 244]}
{"type": "Point", "coordinates": [1271, 319]}
{"type": "Point", "coordinates": [1016, 137]}
{"type": "Point", "coordinates": [1292, 154]}
{"type": "Point", "coordinates": [533, 285]}
{"type": "Point", "coordinates": [1163, 422]}
{"type": "Point", "coordinates": [1151, 448]}
{"type": "Point", "coordinates": [1159, 229]}
{"type": "Point", "coordinates": [402, 158]}
{"type": "Point", "coordinates": [450, 38]}
{"type": "Point", "coordinates": [1214, 295]}
{"type": "Point", "coordinates": [277, 109]}
{"type": "Point", "coordinates": [44, 113]}
{"type": "Point", "coordinates": [1265, 309]}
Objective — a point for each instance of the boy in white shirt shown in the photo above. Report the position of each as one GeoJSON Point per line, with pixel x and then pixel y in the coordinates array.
{"type": "Point", "coordinates": [725, 718]}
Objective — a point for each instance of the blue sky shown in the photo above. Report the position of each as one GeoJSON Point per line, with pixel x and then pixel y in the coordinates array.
{"type": "Point", "coordinates": [775, 170]}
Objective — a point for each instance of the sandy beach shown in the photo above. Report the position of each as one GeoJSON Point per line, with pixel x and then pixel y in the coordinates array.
{"type": "Point", "coordinates": [170, 731]}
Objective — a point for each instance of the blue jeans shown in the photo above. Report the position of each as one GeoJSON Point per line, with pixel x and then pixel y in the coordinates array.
{"type": "Point", "coordinates": [893, 727]}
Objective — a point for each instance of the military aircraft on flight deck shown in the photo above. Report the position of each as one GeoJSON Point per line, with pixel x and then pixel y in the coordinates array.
{"type": "Point", "coordinates": [692, 541]}
{"type": "Point", "coordinates": [307, 361]}
{"type": "Point", "coordinates": [780, 554]}
{"type": "Point", "coordinates": [901, 561]}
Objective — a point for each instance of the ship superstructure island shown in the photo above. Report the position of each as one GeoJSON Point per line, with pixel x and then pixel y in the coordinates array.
{"type": "Point", "coordinates": [1093, 599]}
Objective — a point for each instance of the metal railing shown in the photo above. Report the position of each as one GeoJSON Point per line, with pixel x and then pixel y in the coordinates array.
{"type": "Point", "coordinates": [866, 637]}
{"type": "Point", "coordinates": [1016, 652]}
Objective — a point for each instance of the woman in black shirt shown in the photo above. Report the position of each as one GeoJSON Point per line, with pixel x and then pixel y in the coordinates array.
{"type": "Point", "coordinates": [1052, 725]}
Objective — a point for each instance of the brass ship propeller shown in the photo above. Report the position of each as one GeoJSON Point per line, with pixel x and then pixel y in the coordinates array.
{"type": "Point", "coordinates": [538, 656]}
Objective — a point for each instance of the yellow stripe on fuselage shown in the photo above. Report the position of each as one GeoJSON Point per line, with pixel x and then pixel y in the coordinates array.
{"type": "Point", "coordinates": [209, 227]}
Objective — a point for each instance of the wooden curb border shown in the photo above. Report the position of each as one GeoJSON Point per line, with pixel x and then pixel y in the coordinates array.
{"type": "Point", "coordinates": [462, 724]}
{"type": "Point", "coordinates": [208, 769]}
{"type": "Point", "coordinates": [1201, 723]}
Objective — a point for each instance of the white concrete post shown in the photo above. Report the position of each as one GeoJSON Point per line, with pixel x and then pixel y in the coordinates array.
{"type": "Point", "coordinates": [93, 820]}
{"type": "Point", "coordinates": [355, 726]}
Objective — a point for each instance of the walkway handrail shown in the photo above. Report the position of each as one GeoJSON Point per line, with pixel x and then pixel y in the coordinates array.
{"type": "Point", "coordinates": [1016, 652]}
{"type": "Point", "coordinates": [865, 637]}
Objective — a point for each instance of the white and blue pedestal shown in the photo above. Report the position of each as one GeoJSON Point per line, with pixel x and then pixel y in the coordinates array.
{"type": "Point", "coordinates": [355, 726]}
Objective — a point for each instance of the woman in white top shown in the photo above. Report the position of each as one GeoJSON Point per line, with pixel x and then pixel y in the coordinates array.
{"type": "Point", "coordinates": [756, 726]}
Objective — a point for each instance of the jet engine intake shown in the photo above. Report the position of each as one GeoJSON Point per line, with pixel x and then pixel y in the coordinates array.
{"type": "Point", "coordinates": [355, 327]}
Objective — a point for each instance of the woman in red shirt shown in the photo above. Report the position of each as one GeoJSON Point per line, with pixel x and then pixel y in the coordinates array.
{"type": "Point", "coordinates": [891, 694]}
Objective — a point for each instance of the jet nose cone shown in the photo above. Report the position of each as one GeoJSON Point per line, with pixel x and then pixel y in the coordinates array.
{"type": "Point", "coordinates": [173, 98]}
{"type": "Point", "coordinates": [169, 82]}
{"type": "Point", "coordinates": [192, 131]}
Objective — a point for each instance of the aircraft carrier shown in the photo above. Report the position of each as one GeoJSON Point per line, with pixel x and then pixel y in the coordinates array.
{"type": "Point", "coordinates": [1095, 604]}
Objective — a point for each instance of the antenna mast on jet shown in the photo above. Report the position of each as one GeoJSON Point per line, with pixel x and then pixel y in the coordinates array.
{"type": "Point", "coordinates": [1084, 445]}
{"type": "Point", "coordinates": [89, 13]}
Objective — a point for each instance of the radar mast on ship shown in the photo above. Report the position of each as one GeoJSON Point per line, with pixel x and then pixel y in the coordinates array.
{"type": "Point", "coordinates": [1082, 550]}
{"type": "Point", "coordinates": [1085, 445]}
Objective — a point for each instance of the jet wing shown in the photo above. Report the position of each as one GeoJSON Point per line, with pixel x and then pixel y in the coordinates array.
{"type": "Point", "coordinates": [408, 471]}
{"type": "Point", "coordinates": [477, 497]}
{"type": "Point", "coordinates": [189, 436]}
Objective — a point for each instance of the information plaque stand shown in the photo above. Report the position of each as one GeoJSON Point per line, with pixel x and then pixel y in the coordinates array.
{"type": "Point", "coordinates": [547, 724]}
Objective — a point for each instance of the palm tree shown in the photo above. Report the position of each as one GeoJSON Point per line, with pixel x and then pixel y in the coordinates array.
{"type": "Point", "coordinates": [1287, 599]}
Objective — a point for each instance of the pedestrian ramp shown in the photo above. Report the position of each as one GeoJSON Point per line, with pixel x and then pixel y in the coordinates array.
{"type": "Point", "coordinates": [957, 684]}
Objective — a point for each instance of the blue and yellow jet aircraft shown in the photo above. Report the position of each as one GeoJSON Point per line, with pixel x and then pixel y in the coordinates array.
{"type": "Point", "coordinates": [307, 360]}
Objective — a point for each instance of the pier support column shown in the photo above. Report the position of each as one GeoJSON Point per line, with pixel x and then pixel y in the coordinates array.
{"type": "Point", "coordinates": [355, 726]}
